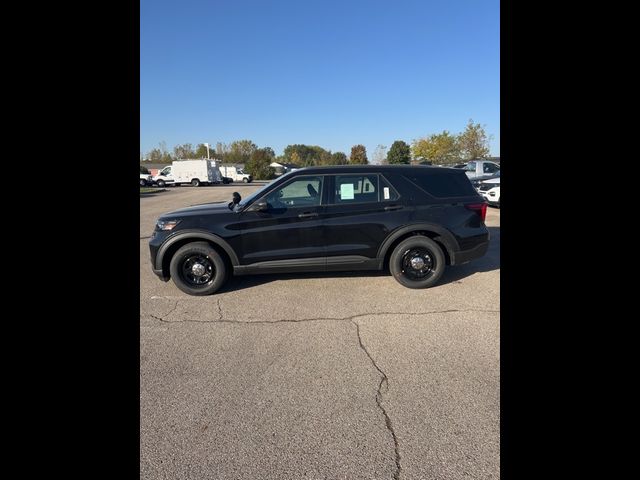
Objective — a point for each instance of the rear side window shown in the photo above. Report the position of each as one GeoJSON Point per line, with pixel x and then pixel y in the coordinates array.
{"type": "Point", "coordinates": [356, 188]}
{"type": "Point", "coordinates": [455, 184]}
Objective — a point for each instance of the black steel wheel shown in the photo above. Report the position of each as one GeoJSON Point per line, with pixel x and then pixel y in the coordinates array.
{"type": "Point", "coordinates": [197, 269]}
{"type": "Point", "coordinates": [417, 262]}
{"type": "Point", "coordinates": [161, 183]}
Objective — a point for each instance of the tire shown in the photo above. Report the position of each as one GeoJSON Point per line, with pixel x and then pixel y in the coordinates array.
{"type": "Point", "coordinates": [195, 182]}
{"type": "Point", "coordinates": [204, 281]}
{"type": "Point", "coordinates": [245, 180]}
{"type": "Point", "coordinates": [143, 182]}
{"type": "Point", "coordinates": [407, 257]}
{"type": "Point", "coordinates": [161, 183]}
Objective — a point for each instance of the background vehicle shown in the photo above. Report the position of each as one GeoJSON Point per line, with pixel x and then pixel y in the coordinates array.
{"type": "Point", "coordinates": [481, 168]}
{"type": "Point", "coordinates": [492, 196]}
{"type": "Point", "coordinates": [195, 172]}
{"type": "Point", "coordinates": [236, 174]}
{"type": "Point", "coordinates": [145, 179]}
{"type": "Point", "coordinates": [414, 220]}
{"type": "Point", "coordinates": [495, 179]}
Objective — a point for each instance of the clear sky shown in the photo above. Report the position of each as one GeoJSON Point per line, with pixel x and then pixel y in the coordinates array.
{"type": "Point", "coordinates": [317, 72]}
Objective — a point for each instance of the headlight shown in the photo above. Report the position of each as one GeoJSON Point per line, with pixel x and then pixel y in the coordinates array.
{"type": "Point", "coordinates": [167, 224]}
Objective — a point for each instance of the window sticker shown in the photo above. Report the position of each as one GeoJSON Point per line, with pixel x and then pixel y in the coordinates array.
{"type": "Point", "coordinates": [346, 191]}
{"type": "Point", "coordinates": [386, 193]}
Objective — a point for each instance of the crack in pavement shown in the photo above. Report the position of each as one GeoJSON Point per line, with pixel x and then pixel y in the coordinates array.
{"type": "Point", "coordinates": [166, 314]}
{"type": "Point", "coordinates": [387, 420]}
{"type": "Point", "coordinates": [144, 238]}
{"type": "Point", "coordinates": [315, 319]}
{"type": "Point", "coordinates": [384, 381]}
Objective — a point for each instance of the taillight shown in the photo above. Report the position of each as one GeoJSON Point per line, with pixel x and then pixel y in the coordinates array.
{"type": "Point", "coordinates": [479, 208]}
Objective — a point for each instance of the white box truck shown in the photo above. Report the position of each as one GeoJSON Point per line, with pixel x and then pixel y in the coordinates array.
{"type": "Point", "coordinates": [194, 172]}
{"type": "Point", "coordinates": [235, 174]}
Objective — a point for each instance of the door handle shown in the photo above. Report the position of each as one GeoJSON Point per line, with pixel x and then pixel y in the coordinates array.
{"type": "Point", "coordinates": [307, 215]}
{"type": "Point", "coordinates": [392, 207]}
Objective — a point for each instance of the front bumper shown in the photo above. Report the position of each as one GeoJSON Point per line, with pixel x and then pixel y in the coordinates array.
{"type": "Point", "coordinates": [154, 245]}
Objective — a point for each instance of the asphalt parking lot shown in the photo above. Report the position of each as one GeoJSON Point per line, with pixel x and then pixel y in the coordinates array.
{"type": "Point", "coordinates": [319, 376]}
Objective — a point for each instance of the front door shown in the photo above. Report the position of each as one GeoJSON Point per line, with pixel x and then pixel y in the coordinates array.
{"type": "Point", "coordinates": [291, 228]}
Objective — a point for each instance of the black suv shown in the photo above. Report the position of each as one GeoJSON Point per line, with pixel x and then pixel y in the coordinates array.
{"type": "Point", "coordinates": [415, 219]}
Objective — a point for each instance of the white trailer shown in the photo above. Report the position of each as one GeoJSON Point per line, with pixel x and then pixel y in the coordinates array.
{"type": "Point", "coordinates": [194, 172]}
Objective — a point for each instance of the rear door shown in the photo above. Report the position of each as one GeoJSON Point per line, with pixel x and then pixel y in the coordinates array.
{"type": "Point", "coordinates": [362, 208]}
{"type": "Point", "coordinates": [292, 226]}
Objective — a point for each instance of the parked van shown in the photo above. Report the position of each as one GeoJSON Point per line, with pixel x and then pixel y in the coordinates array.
{"type": "Point", "coordinates": [194, 172]}
{"type": "Point", "coordinates": [235, 174]}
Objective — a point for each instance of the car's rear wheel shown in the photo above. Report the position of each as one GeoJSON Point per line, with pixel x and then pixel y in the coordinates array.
{"type": "Point", "coordinates": [417, 262]}
{"type": "Point", "coordinates": [197, 269]}
{"type": "Point", "coordinates": [195, 182]}
{"type": "Point", "coordinates": [143, 182]}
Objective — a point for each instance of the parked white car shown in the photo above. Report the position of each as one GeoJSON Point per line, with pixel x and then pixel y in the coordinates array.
{"type": "Point", "coordinates": [493, 196]}
{"type": "Point", "coordinates": [145, 179]}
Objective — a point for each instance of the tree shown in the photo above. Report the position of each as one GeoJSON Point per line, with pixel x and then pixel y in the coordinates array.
{"type": "Point", "coordinates": [380, 155]}
{"type": "Point", "coordinates": [399, 152]}
{"type": "Point", "coordinates": [258, 164]}
{"type": "Point", "coordinates": [294, 159]}
{"type": "Point", "coordinates": [474, 142]}
{"type": "Point", "coordinates": [144, 170]}
{"type": "Point", "coordinates": [184, 151]}
{"type": "Point", "coordinates": [201, 151]}
{"type": "Point", "coordinates": [155, 155]}
{"type": "Point", "coordinates": [438, 148]}
{"type": "Point", "coordinates": [305, 155]}
{"type": "Point", "coordinates": [240, 151]}
{"type": "Point", "coordinates": [339, 158]}
{"type": "Point", "coordinates": [358, 155]}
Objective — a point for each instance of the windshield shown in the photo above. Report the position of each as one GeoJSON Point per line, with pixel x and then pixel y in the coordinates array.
{"type": "Point", "coordinates": [258, 192]}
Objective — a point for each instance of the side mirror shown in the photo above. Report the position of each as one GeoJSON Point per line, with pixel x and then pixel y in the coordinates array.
{"type": "Point", "coordinates": [260, 206]}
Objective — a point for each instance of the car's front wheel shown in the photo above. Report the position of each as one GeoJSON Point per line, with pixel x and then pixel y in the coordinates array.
{"type": "Point", "coordinates": [161, 183]}
{"type": "Point", "coordinates": [197, 269]}
{"type": "Point", "coordinates": [417, 262]}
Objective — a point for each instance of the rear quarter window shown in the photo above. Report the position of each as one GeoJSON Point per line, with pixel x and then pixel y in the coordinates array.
{"type": "Point", "coordinates": [454, 184]}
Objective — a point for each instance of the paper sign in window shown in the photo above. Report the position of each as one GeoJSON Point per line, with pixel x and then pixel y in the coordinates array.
{"type": "Point", "coordinates": [346, 191]}
{"type": "Point", "coordinates": [386, 193]}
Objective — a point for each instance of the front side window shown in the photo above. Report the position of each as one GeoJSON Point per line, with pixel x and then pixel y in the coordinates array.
{"type": "Point", "coordinates": [471, 167]}
{"type": "Point", "coordinates": [166, 171]}
{"type": "Point", "coordinates": [301, 192]}
{"type": "Point", "coordinates": [491, 168]}
{"type": "Point", "coordinates": [356, 189]}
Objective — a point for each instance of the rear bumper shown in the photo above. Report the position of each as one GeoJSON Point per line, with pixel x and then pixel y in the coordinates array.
{"type": "Point", "coordinates": [464, 256]}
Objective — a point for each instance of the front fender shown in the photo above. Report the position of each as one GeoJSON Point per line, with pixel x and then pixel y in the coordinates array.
{"type": "Point", "coordinates": [195, 235]}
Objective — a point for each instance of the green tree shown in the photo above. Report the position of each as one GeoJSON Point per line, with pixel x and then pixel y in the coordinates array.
{"type": "Point", "coordinates": [358, 155]}
{"type": "Point", "coordinates": [201, 151]}
{"type": "Point", "coordinates": [339, 158]}
{"type": "Point", "coordinates": [258, 164]}
{"type": "Point", "coordinates": [474, 142]}
{"type": "Point", "coordinates": [305, 155]}
{"type": "Point", "coordinates": [240, 151]}
{"type": "Point", "coordinates": [438, 148]}
{"type": "Point", "coordinates": [399, 152]}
